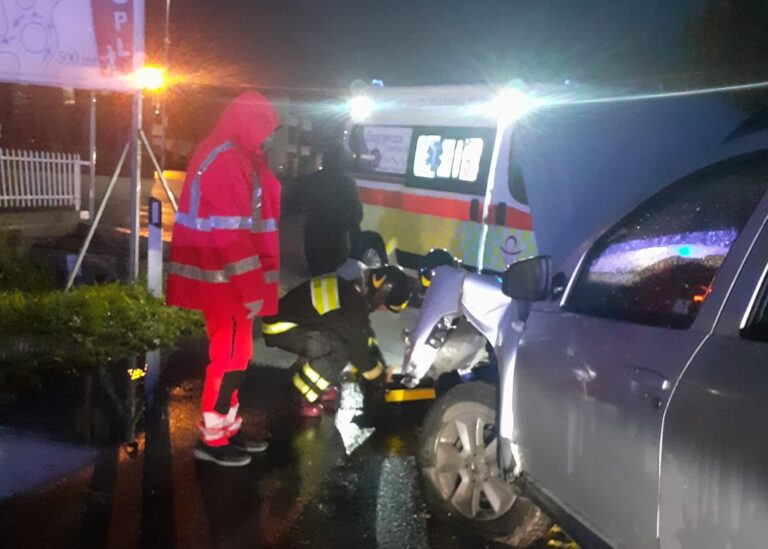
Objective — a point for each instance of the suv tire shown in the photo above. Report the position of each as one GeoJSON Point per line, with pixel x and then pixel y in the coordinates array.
{"type": "Point", "coordinates": [460, 470]}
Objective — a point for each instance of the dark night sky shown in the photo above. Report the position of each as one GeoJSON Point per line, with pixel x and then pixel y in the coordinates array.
{"type": "Point", "coordinates": [328, 43]}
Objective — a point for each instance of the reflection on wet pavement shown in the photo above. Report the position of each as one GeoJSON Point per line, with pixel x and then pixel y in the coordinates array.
{"type": "Point", "coordinates": [104, 460]}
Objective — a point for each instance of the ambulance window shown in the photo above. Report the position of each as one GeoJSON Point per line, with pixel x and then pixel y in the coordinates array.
{"type": "Point", "coordinates": [448, 158]}
{"type": "Point", "coordinates": [381, 149]}
{"type": "Point", "coordinates": [470, 160]}
{"type": "Point", "coordinates": [451, 159]}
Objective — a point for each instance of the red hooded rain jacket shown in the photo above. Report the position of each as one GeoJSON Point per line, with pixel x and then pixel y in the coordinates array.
{"type": "Point", "coordinates": [225, 252]}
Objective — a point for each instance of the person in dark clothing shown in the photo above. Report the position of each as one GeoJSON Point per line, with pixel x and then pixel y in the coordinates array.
{"type": "Point", "coordinates": [333, 212]}
{"type": "Point", "coordinates": [326, 322]}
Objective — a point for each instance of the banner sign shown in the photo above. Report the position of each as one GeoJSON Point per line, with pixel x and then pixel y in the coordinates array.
{"type": "Point", "coordinates": [86, 44]}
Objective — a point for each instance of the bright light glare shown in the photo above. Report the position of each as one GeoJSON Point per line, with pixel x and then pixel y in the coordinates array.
{"type": "Point", "coordinates": [149, 78]}
{"type": "Point", "coordinates": [360, 108]}
{"type": "Point", "coordinates": [511, 104]}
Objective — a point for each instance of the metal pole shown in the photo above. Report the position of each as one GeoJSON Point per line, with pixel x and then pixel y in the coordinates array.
{"type": "Point", "coordinates": [133, 252]}
{"type": "Point", "coordinates": [159, 170]}
{"type": "Point", "coordinates": [155, 248]}
{"type": "Point", "coordinates": [96, 219]}
{"type": "Point", "coordinates": [92, 159]}
{"type": "Point", "coordinates": [166, 64]}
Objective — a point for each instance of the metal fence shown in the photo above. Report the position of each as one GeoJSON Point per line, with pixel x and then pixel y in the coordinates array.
{"type": "Point", "coordinates": [37, 179]}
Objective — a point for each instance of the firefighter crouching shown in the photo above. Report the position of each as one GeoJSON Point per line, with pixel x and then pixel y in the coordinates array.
{"type": "Point", "coordinates": [326, 322]}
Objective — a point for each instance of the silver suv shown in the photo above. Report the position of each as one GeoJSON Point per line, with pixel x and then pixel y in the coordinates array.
{"type": "Point", "coordinates": [635, 408]}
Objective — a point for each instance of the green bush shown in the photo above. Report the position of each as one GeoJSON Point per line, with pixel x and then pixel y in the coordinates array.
{"type": "Point", "coordinates": [88, 326]}
{"type": "Point", "coordinates": [18, 272]}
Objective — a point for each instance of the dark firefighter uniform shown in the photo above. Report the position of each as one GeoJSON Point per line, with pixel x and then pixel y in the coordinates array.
{"type": "Point", "coordinates": [325, 321]}
{"type": "Point", "coordinates": [331, 205]}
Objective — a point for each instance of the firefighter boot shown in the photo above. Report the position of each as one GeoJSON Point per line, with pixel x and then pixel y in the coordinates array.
{"type": "Point", "coordinates": [330, 395]}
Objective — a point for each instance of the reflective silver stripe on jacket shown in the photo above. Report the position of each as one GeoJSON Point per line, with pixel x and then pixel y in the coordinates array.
{"type": "Point", "coordinates": [207, 224]}
{"type": "Point", "coordinates": [215, 276]}
{"type": "Point", "coordinates": [224, 222]}
{"type": "Point", "coordinates": [194, 200]}
{"type": "Point", "coordinates": [271, 277]}
{"type": "Point", "coordinates": [254, 307]}
{"type": "Point", "coordinates": [259, 225]}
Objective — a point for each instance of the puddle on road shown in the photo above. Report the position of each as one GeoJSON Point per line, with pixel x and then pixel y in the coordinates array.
{"type": "Point", "coordinates": [329, 483]}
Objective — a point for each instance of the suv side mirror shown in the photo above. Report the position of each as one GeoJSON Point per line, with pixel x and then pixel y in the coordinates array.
{"type": "Point", "coordinates": [528, 280]}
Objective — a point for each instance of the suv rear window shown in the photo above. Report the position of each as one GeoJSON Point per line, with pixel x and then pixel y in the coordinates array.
{"type": "Point", "coordinates": [657, 265]}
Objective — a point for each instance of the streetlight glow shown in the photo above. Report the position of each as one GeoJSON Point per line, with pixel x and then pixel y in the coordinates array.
{"type": "Point", "coordinates": [149, 77]}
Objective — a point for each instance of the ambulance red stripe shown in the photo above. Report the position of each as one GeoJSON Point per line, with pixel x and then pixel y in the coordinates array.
{"type": "Point", "coordinates": [451, 208]}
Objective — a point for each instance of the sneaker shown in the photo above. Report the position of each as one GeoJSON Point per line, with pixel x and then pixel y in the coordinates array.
{"type": "Point", "coordinates": [241, 442]}
{"type": "Point", "coordinates": [227, 455]}
{"type": "Point", "coordinates": [330, 395]}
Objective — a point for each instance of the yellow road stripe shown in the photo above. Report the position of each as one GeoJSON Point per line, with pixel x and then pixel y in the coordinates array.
{"type": "Point", "coordinates": [406, 395]}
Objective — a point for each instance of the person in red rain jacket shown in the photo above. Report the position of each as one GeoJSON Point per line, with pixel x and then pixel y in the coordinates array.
{"type": "Point", "coordinates": [224, 261]}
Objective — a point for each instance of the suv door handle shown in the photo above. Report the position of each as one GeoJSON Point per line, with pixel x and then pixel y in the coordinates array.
{"type": "Point", "coordinates": [646, 383]}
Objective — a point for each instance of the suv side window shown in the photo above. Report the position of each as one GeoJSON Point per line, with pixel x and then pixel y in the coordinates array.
{"type": "Point", "coordinates": [657, 265]}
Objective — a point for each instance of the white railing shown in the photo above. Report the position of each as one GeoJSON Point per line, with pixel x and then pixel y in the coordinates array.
{"type": "Point", "coordinates": [37, 179]}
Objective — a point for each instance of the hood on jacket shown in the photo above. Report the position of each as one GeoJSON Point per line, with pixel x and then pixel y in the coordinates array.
{"type": "Point", "coordinates": [248, 120]}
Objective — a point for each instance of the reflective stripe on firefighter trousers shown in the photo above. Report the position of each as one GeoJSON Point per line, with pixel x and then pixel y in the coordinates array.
{"type": "Point", "coordinates": [312, 375]}
{"type": "Point", "coordinates": [277, 327]}
{"type": "Point", "coordinates": [304, 389]}
{"type": "Point", "coordinates": [325, 293]}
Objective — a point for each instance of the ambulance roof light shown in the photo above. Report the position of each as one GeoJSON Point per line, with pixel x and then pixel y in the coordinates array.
{"type": "Point", "coordinates": [360, 108]}
{"type": "Point", "coordinates": [511, 104]}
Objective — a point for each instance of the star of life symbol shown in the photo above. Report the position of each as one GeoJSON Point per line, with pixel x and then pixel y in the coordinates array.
{"type": "Point", "coordinates": [28, 36]}
{"type": "Point", "coordinates": [434, 153]}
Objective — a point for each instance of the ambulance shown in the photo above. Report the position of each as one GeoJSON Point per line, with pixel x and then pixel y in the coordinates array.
{"type": "Point", "coordinates": [435, 168]}
{"type": "Point", "coordinates": [475, 169]}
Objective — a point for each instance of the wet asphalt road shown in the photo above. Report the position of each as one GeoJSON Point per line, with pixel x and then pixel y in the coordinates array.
{"type": "Point", "coordinates": [104, 461]}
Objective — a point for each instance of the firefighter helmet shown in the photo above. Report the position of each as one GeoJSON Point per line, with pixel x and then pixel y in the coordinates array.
{"type": "Point", "coordinates": [436, 257]}
{"type": "Point", "coordinates": [391, 285]}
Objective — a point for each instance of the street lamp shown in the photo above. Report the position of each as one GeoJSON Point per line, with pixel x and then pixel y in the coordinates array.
{"type": "Point", "coordinates": [149, 78]}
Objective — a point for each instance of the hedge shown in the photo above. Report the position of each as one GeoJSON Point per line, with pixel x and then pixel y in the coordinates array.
{"type": "Point", "coordinates": [88, 326]}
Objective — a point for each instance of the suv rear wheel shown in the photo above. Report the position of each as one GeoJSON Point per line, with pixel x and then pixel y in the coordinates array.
{"type": "Point", "coordinates": [462, 478]}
